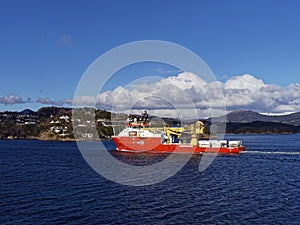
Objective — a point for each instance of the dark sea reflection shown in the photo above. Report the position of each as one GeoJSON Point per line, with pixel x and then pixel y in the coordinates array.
{"type": "Point", "coordinates": [49, 182]}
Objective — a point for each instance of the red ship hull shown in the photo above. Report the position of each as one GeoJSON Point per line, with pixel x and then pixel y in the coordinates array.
{"type": "Point", "coordinates": [154, 145]}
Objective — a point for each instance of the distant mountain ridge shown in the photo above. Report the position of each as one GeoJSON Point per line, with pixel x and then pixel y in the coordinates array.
{"type": "Point", "coordinates": [27, 112]}
{"type": "Point", "coordinates": [248, 116]}
{"type": "Point", "coordinates": [54, 123]}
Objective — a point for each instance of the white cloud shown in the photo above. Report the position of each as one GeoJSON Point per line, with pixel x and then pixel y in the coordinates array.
{"type": "Point", "coordinates": [243, 82]}
{"type": "Point", "coordinates": [180, 95]}
{"type": "Point", "coordinates": [65, 39]}
{"type": "Point", "coordinates": [187, 90]}
{"type": "Point", "coordinates": [175, 95]}
{"type": "Point", "coordinates": [47, 101]}
{"type": "Point", "coordinates": [11, 99]}
{"type": "Point", "coordinates": [83, 100]}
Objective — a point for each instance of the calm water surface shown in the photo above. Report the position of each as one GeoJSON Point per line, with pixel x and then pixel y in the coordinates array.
{"type": "Point", "coordinates": [44, 182]}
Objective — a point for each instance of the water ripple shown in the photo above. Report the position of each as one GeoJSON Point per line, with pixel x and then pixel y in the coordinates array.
{"type": "Point", "coordinates": [50, 183]}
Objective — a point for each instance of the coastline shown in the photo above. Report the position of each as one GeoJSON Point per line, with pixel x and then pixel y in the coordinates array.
{"type": "Point", "coordinates": [104, 139]}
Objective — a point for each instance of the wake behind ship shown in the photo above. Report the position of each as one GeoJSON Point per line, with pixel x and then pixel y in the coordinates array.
{"type": "Point", "coordinates": [140, 136]}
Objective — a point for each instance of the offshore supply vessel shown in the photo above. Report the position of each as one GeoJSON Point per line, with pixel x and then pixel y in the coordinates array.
{"type": "Point", "coordinates": [140, 136]}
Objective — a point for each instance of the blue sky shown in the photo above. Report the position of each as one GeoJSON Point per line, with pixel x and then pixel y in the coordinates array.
{"type": "Point", "coordinates": [45, 46]}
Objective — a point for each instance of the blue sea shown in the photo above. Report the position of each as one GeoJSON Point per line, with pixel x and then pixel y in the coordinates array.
{"type": "Point", "coordinates": [47, 182]}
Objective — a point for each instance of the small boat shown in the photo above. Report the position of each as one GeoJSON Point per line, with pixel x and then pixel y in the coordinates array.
{"type": "Point", "coordinates": [139, 136]}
